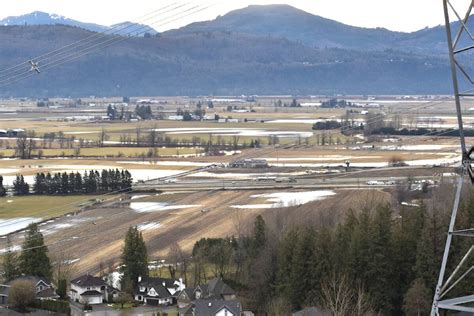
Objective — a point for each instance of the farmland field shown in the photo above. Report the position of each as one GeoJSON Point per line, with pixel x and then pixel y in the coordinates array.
{"type": "Point", "coordinates": [218, 201]}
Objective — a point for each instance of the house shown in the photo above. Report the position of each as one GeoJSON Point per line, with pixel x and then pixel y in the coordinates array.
{"type": "Point", "coordinates": [44, 288]}
{"type": "Point", "coordinates": [91, 290]}
{"type": "Point", "coordinates": [158, 291]}
{"type": "Point", "coordinates": [215, 289]}
{"type": "Point", "coordinates": [186, 297]}
{"type": "Point", "coordinates": [212, 308]}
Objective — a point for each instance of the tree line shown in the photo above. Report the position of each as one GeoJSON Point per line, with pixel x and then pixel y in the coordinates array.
{"type": "Point", "coordinates": [381, 260]}
{"type": "Point", "coordinates": [75, 183]}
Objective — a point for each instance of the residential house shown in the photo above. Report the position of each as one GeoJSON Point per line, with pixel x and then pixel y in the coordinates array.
{"type": "Point", "coordinates": [186, 297]}
{"type": "Point", "coordinates": [215, 289]}
{"type": "Point", "coordinates": [212, 308]}
{"type": "Point", "coordinates": [44, 288]}
{"type": "Point", "coordinates": [158, 291]}
{"type": "Point", "coordinates": [91, 290]}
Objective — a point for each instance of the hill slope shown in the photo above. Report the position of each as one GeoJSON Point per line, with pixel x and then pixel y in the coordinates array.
{"type": "Point", "coordinates": [312, 30]}
{"type": "Point", "coordinates": [214, 63]}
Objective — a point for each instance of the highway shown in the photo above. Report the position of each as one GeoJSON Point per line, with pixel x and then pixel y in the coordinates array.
{"type": "Point", "coordinates": [300, 183]}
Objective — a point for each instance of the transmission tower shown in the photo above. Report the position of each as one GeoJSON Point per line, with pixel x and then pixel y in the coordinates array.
{"type": "Point", "coordinates": [460, 44]}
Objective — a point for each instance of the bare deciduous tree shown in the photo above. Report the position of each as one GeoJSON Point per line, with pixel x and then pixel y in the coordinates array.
{"type": "Point", "coordinates": [22, 293]}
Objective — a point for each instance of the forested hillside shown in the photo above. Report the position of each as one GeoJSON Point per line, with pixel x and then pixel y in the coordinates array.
{"type": "Point", "coordinates": [258, 50]}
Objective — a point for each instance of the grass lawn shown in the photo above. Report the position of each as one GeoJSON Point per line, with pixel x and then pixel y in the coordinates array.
{"type": "Point", "coordinates": [42, 206]}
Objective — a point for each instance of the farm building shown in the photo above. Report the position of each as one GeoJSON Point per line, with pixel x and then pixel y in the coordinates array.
{"type": "Point", "coordinates": [249, 163]}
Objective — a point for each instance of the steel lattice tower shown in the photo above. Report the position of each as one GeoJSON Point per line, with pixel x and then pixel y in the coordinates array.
{"type": "Point", "coordinates": [456, 50]}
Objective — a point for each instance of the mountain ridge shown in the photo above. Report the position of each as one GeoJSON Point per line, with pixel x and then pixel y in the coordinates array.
{"type": "Point", "coordinates": [208, 58]}
{"type": "Point", "coordinates": [44, 18]}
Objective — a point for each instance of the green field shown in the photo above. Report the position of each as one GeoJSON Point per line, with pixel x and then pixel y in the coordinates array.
{"type": "Point", "coordinates": [42, 206]}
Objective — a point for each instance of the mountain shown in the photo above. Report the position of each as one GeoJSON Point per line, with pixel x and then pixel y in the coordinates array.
{"type": "Point", "coordinates": [134, 29]}
{"type": "Point", "coordinates": [296, 25]}
{"type": "Point", "coordinates": [210, 64]}
{"type": "Point", "coordinates": [273, 49]}
{"type": "Point", "coordinates": [42, 18]}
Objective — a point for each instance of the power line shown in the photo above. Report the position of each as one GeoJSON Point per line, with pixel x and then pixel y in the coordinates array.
{"type": "Point", "coordinates": [106, 43]}
{"type": "Point", "coordinates": [111, 31]}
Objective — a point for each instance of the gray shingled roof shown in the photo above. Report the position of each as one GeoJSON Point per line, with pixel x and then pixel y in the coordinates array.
{"type": "Point", "coordinates": [151, 282]}
{"type": "Point", "coordinates": [216, 288]}
{"type": "Point", "coordinates": [31, 278]}
{"type": "Point", "coordinates": [88, 280]}
{"type": "Point", "coordinates": [47, 293]}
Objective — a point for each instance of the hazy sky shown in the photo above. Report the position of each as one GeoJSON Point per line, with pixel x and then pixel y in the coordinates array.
{"type": "Point", "coordinates": [399, 15]}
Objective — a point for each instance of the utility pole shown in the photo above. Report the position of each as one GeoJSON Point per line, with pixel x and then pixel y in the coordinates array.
{"type": "Point", "coordinates": [445, 285]}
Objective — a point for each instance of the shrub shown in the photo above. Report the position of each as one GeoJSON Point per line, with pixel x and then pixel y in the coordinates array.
{"type": "Point", "coordinates": [54, 306]}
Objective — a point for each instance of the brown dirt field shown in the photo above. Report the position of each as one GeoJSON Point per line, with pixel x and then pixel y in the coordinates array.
{"type": "Point", "coordinates": [96, 235]}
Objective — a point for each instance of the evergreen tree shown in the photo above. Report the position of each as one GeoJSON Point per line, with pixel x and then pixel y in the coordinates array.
{"type": "Point", "coordinates": [10, 263]}
{"type": "Point", "coordinates": [303, 276]}
{"type": "Point", "coordinates": [78, 183]}
{"type": "Point", "coordinates": [3, 191]}
{"type": "Point", "coordinates": [286, 253]}
{"type": "Point", "coordinates": [34, 256]}
{"type": "Point", "coordinates": [381, 282]}
{"type": "Point", "coordinates": [134, 256]}
{"type": "Point", "coordinates": [64, 185]}
{"type": "Point", "coordinates": [104, 181]}
{"type": "Point", "coordinates": [20, 187]}
{"type": "Point", "coordinates": [259, 234]}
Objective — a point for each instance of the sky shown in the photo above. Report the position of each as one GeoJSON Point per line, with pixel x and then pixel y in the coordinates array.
{"type": "Point", "coordinates": [396, 15]}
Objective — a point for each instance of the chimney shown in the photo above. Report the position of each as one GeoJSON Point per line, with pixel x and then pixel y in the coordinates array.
{"type": "Point", "coordinates": [164, 284]}
{"type": "Point", "coordinates": [209, 304]}
{"type": "Point", "coordinates": [139, 278]}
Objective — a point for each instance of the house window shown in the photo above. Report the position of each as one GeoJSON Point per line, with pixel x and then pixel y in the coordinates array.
{"type": "Point", "coordinates": [139, 297]}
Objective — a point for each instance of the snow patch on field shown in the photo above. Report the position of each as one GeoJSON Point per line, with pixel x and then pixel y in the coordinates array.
{"type": "Point", "coordinates": [15, 248]}
{"type": "Point", "coordinates": [168, 163]}
{"type": "Point", "coordinates": [10, 225]}
{"type": "Point", "coordinates": [147, 207]}
{"type": "Point", "coordinates": [297, 121]}
{"type": "Point", "coordinates": [80, 133]}
{"type": "Point", "coordinates": [8, 171]}
{"type": "Point", "coordinates": [149, 226]}
{"type": "Point", "coordinates": [242, 176]}
{"type": "Point", "coordinates": [136, 197]}
{"type": "Point", "coordinates": [286, 199]}
{"type": "Point", "coordinates": [322, 158]}
{"type": "Point", "coordinates": [234, 132]}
